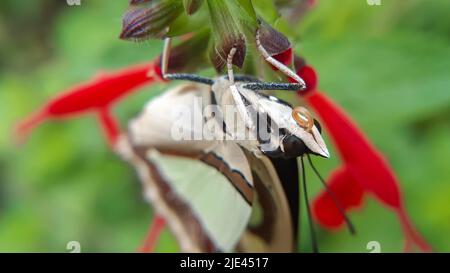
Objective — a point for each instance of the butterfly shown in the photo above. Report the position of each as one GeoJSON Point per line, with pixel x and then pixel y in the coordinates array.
{"type": "Point", "coordinates": [224, 180]}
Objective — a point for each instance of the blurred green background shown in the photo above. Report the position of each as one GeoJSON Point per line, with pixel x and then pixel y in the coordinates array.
{"type": "Point", "coordinates": [388, 66]}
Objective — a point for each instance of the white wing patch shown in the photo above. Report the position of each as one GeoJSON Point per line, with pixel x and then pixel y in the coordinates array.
{"type": "Point", "coordinates": [223, 212]}
{"type": "Point", "coordinates": [176, 108]}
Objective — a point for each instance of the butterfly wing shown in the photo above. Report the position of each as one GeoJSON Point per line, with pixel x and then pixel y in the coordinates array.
{"type": "Point", "coordinates": [277, 193]}
{"type": "Point", "coordinates": [203, 189]}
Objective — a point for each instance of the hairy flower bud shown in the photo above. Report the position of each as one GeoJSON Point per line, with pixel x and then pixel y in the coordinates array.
{"type": "Point", "coordinates": [150, 20]}
{"type": "Point", "coordinates": [227, 33]}
{"type": "Point", "coordinates": [273, 41]}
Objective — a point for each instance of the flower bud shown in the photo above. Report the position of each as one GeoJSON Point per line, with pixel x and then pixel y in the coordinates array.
{"type": "Point", "coordinates": [227, 33]}
{"type": "Point", "coordinates": [151, 20]}
{"type": "Point", "coordinates": [273, 41]}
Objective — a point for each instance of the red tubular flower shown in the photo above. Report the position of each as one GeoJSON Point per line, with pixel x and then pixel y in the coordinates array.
{"type": "Point", "coordinates": [364, 171]}
{"type": "Point", "coordinates": [97, 95]}
{"type": "Point", "coordinates": [349, 193]}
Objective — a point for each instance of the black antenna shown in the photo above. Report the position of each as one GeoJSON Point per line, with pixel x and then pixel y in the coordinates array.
{"type": "Point", "coordinates": [178, 76]}
{"type": "Point", "coordinates": [308, 210]}
{"type": "Point", "coordinates": [350, 226]}
{"type": "Point", "coordinates": [189, 77]}
{"type": "Point", "coordinates": [257, 86]}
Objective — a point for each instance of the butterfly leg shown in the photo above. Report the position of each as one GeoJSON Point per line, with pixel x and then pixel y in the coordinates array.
{"type": "Point", "coordinates": [178, 76]}
{"type": "Point", "coordinates": [235, 93]}
{"type": "Point", "coordinates": [299, 85]}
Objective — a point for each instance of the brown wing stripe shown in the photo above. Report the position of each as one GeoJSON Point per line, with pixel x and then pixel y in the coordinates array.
{"type": "Point", "coordinates": [180, 207]}
{"type": "Point", "coordinates": [236, 178]}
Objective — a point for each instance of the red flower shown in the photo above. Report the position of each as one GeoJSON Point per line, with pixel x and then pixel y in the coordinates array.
{"type": "Point", "coordinates": [97, 95]}
{"type": "Point", "coordinates": [364, 168]}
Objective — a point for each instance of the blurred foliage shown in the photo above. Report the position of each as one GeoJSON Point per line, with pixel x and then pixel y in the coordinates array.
{"type": "Point", "coordinates": [388, 66]}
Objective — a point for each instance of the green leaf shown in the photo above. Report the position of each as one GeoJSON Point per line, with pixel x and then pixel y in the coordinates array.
{"type": "Point", "coordinates": [247, 6]}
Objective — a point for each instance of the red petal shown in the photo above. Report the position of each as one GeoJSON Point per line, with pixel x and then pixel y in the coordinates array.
{"type": "Point", "coordinates": [97, 94]}
{"type": "Point", "coordinates": [285, 57]}
{"type": "Point", "coordinates": [158, 72]}
{"type": "Point", "coordinates": [156, 227]}
{"type": "Point", "coordinates": [100, 92]}
{"type": "Point", "coordinates": [347, 192]}
{"type": "Point", "coordinates": [309, 75]}
{"type": "Point", "coordinates": [367, 164]}
{"type": "Point", "coordinates": [109, 125]}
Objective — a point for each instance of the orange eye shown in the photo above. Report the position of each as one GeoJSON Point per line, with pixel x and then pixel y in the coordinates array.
{"type": "Point", "coordinates": [303, 118]}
